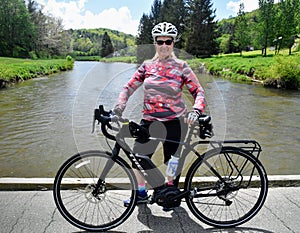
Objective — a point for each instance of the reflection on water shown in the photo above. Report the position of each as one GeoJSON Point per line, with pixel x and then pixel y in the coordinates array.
{"type": "Point", "coordinates": [269, 116]}
{"type": "Point", "coordinates": [44, 121]}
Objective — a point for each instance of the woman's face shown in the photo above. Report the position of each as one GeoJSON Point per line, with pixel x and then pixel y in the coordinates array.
{"type": "Point", "coordinates": [164, 46]}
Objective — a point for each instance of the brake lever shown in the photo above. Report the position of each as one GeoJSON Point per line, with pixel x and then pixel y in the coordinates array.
{"type": "Point", "coordinates": [96, 114]}
{"type": "Point", "coordinates": [105, 117]}
{"type": "Point", "coordinates": [204, 119]}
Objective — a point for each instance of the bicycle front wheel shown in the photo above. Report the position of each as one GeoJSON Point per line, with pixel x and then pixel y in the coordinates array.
{"type": "Point", "coordinates": [228, 187]}
{"type": "Point", "coordinates": [89, 190]}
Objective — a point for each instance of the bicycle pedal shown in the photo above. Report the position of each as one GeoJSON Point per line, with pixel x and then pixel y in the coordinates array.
{"type": "Point", "coordinates": [150, 200]}
{"type": "Point", "coordinates": [168, 209]}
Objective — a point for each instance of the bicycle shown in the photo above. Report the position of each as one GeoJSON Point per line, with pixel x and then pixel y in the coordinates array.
{"type": "Point", "coordinates": [224, 187]}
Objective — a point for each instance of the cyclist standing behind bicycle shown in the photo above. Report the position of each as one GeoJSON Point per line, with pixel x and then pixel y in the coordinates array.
{"type": "Point", "coordinates": [163, 78]}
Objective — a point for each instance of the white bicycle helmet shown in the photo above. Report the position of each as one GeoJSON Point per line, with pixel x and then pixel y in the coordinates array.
{"type": "Point", "coordinates": [164, 29]}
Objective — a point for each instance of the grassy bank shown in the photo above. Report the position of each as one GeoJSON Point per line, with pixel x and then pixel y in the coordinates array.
{"type": "Point", "coordinates": [280, 71]}
{"type": "Point", "coordinates": [13, 70]}
{"type": "Point", "coordinates": [120, 59]}
{"type": "Point", "coordinates": [87, 58]}
{"type": "Point", "coordinates": [128, 59]}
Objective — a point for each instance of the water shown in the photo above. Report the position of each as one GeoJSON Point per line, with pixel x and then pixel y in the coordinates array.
{"type": "Point", "coordinates": [44, 121]}
{"type": "Point", "coordinates": [272, 117]}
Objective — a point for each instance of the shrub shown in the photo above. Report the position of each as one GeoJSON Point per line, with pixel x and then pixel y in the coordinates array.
{"type": "Point", "coordinates": [33, 55]}
{"type": "Point", "coordinates": [69, 58]}
{"type": "Point", "coordinates": [287, 72]}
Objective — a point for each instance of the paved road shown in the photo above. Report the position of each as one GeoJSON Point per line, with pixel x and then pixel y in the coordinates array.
{"type": "Point", "coordinates": [35, 212]}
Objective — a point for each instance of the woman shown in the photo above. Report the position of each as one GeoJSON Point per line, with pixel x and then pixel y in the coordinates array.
{"type": "Point", "coordinates": [163, 79]}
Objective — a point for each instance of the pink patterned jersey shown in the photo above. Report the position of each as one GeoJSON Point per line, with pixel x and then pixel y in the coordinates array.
{"type": "Point", "coordinates": [163, 83]}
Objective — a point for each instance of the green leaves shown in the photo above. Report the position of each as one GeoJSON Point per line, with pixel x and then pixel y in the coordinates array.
{"type": "Point", "coordinates": [287, 71]}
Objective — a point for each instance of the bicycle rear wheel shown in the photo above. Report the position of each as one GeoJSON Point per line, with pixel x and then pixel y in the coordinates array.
{"type": "Point", "coordinates": [91, 203]}
{"type": "Point", "coordinates": [229, 186]}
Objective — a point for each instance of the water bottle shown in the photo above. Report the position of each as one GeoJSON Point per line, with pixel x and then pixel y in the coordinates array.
{"type": "Point", "coordinates": [172, 166]}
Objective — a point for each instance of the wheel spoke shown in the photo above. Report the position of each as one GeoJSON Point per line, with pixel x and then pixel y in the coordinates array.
{"type": "Point", "coordinates": [81, 204]}
{"type": "Point", "coordinates": [234, 195]}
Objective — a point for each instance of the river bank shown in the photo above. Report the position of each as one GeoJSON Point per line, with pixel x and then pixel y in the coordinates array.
{"type": "Point", "coordinates": [280, 71]}
{"type": "Point", "coordinates": [14, 70]}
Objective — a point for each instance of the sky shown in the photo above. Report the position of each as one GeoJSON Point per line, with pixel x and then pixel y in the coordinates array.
{"type": "Point", "coordinates": [121, 15]}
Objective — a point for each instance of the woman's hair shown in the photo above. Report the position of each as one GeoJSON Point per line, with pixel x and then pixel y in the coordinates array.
{"type": "Point", "coordinates": [156, 56]}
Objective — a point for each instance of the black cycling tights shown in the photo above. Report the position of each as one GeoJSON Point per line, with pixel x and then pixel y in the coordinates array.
{"type": "Point", "coordinates": [172, 130]}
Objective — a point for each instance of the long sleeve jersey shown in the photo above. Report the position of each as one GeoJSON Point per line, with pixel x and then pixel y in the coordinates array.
{"type": "Point", "coordinates": [163, 83]}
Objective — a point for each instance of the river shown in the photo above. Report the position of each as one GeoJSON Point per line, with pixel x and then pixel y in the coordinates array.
{"type": "Point", "coordinates": [45, 120]}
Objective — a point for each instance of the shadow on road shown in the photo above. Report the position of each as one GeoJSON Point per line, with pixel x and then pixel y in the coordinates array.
{"type": "Point", "coordinates": [181, 222]}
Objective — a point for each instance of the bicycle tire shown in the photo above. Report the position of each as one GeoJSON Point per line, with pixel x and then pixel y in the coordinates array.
{"type": "Point", "coordinates": [217, 206]}
{"type": "Point", "coordinates": [75, 182]}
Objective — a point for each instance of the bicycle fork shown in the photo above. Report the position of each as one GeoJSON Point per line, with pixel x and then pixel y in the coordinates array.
{"type": "Point", "coordinates": [100, 186]}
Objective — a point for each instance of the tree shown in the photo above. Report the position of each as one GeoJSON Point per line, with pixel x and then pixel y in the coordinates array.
{"type": "Point", "coordinates": [34, 12]}
{"type": "Point", "coordinates": [226, 32]}
{"type": "Point", "coordinates": [175, 12]}
{"type": "Point", "coordinates": [223, 42]}
{"type": "Point", "coordinates": [286, 24]}
{"type": "Point", "coordinates": [107, 47]}
{"type": "Point", "coordinates": [201, 40]}
{"type": "Point", "coordinates": [144, 31]}
{"type": "Point", "coordinates": [50, 39]}
{"type": "Point", "coordinates": [297, 17]}
{"type": "Point", "coordinates": [241, 31]}
{"type": "Point", "coordinates": [56, 41]}
{"type": "Point", "coordinates": [155, 14]}
{"type": "Point", "coordinates": [266, 15]}
{"type": "Point", "coordinates": [16, 29]}
{"type": "Point", "coordinates": [144, 40]}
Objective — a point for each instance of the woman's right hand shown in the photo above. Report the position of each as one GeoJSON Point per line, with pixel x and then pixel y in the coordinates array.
{"type": "Point", "coordinates": [117, 112]}
{"type": "Point", "coordinates": [192, 117]}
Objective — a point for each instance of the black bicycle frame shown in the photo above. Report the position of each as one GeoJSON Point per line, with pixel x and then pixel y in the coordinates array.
{"type": "Point", "coordinates": [150, 171]}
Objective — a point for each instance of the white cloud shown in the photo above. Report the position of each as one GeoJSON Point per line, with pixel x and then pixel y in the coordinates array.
{"type": "Point", "coordinates": [250, 5]}
{"type": "Point", "coordinates": [118, 19]}
{"type": "Point", "coordinates": [233, 6]}
{"type": "Point", "coordinates": [75, 16]}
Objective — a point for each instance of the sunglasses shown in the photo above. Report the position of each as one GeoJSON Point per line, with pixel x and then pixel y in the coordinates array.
{"type": "Point", "coordinates": [161, 42]}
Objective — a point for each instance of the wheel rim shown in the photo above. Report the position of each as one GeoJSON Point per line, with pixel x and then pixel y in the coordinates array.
{"type": "Point", "coordinates": [236, 198]}
{"type": "Point", "coordinates": [87, 208]}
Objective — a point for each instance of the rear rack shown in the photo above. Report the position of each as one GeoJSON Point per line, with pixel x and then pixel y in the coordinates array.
{"type": "Point", "coordinates": [250, 146]}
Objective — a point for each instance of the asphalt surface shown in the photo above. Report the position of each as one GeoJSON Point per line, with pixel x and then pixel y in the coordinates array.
{"type": "Point", "coordinates": [35, 212]}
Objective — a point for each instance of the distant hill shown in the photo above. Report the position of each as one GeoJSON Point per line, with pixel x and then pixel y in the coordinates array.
{"type": "Point", "coordinates": [225, 25]}
{"type": "Point", "coordinates": [88, 42]}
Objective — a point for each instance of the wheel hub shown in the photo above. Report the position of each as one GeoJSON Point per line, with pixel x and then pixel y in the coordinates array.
{"type": "Point", "coordinates": [227, 189]}
{"type": "Point", "coordinates": [94, 195]}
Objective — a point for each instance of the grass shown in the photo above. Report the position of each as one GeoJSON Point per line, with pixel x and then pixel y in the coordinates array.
{"type": "Point", "coordinates": [87, 58]}
{"type": "Point", "coordinates": [131, 59]}
{"type": "Point", "coordinates": [14, 69]}
{"type": "Point", "coordinates": [127, 59]}
{"type": "Point", "coordinates": [278, 71]}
